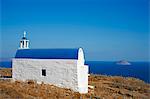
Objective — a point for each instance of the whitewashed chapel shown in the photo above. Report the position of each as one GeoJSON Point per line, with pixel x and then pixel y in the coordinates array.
{"type": "Point", "coordinates": [61, 67]}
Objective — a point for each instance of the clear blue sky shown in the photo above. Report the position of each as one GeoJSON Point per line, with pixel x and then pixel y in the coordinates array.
{"type": "Point", "coordinates": [106, 29]}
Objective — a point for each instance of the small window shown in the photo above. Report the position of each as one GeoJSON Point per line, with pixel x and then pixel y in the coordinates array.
{"type": "Point", "coordinates": [43, 72]}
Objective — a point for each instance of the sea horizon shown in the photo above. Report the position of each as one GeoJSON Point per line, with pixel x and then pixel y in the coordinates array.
{"type": "Point", "coordinates": [138, 69]}
{"type": "Point", "coordinates": [8, 59]}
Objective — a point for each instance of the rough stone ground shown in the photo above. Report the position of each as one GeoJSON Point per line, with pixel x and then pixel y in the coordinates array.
{"type": "Point", "coordinates": [105, 87]}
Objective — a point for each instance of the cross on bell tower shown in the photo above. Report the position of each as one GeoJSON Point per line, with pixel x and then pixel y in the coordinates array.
{"type": "Point", "coordinates": [24, 42]}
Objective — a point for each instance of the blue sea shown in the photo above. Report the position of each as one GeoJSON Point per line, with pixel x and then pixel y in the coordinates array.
{"type": "Point", "coordinates": [140, 70]}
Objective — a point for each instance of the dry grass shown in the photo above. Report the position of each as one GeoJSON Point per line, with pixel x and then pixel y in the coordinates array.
{"type": "Point", "coordinates": [5, 72]}
{"type": "Point", "coordinates": [106, 87]}
{"type": "Point", "coordinates": [112, 87]}
{"type": "Point", "coordinates": [30, 89]}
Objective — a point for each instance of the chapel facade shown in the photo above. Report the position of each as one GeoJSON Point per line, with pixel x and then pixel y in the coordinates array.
{"type": "Point", "coordinates": [61, 67]}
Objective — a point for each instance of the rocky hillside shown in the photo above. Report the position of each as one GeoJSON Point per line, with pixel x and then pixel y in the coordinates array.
{"type": "Point", "coordinates": [106, 87]}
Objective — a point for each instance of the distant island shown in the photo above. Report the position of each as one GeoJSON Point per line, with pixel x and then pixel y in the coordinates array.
{"type": "Point", "coordinates": [123, 62]}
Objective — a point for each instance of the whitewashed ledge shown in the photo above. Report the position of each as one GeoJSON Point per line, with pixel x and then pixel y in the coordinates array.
{"type": "Point", "coordinates": [5, 78]}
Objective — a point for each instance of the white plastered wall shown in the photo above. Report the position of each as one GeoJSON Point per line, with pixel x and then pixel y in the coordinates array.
{"type": "Point", "coordinates": [60, 72]}
{"type": "Point", "coordinates": [82, 72]}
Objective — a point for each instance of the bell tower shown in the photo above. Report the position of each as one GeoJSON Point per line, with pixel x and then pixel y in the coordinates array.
{"type": "Point", "coordinates": [24, 42]}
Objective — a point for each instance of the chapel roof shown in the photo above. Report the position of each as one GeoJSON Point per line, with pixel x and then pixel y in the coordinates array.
{"type": "Point", "coordinates": [47, 53]}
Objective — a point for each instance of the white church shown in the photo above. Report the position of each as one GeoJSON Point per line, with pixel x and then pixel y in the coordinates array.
{"type": "Point", "coordinates": [61, 67]}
